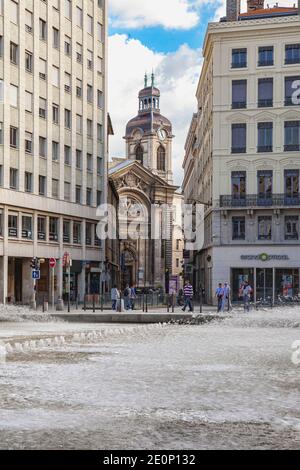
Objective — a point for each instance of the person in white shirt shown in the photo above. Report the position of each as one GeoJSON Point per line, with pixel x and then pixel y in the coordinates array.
{"type": "Point", "coordinates": [115, 296]}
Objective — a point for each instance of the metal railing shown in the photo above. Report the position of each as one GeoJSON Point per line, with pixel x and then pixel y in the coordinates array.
{"type": "Point", "coordinates": [255, 200]}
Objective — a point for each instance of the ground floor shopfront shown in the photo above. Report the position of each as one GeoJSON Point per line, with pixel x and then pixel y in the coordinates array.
{"type": "Point", "coordinates": [272, 271]}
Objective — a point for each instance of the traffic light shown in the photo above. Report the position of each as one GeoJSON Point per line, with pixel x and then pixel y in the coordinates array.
{"type": "Point", "coordinates": [34, 263]}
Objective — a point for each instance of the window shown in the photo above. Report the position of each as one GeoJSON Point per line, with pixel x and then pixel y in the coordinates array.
{"type": "Point", "coordinates": [89, 128]}
{"type": "Point", "coordinates": [27, 227]}
{"type": "Point", "coordinates": [99, 166]}
{"type": "Point", "coordinates": [55, 113]}
{"type": "Point", "coordinates": [265, 186]}
{"type": "Point", "coordinates": [67, 191]}
{"type": "Point", "coordinates": [42, 147]}
{"type": "Point", "coordinates": [239, 94]}
{"type": "Point", "coordinates": [292, 136]}
{"type": "Point", "coordinates": [77, 233]}
{"type": "Point", "coordinates": [265, 92]}
{"type": "Point", "coordinates": [88, 234]}
{"type": "Point", "coordinates": [14, 49]}
{"type": "Point", "coordinates": [28, 21]}
{"type": "Point", "coordinates": [68, 82]}
{"type": "Point", "coordinates": [78, 124]}
{"type": "Point", "coordinates": [13, 225]}
{"type": "Point", "coordinates": [14, 92]}
{"type": "Point", "coordinates": [53, 229]}
{"type": "Point", "coordinates": [28, 142]}
{"type": "Point", "coordinates": [67, 155]}
{"type": "Point", "coordinates": [41, 226]}
{"type": "Point", "coordinates": [43, 108]}
{"type": "Point", "coordinates": [28, 61]}
{"type": "Point", "coordinates": [56, 38]}
{"type": "Point", "coordinates": [161, 158]}
{"type": "Point", "coordinates": [1, 143]}
{"type": "Point", "coordinates": [99, 99]}
{"type": "Point", "coordinates": [79, 53]}
{"type": "Point", "coordinates": [79, 17]}
{"type": "Point", "coordinates": [239, 138]}
{"type": "Point", "coordinates": [78, 159]}
{"type": "Point", "coordinates": [99, 65]}
{"type": "Point", "coordinates": [28, 182]}
{"type": "Point", "coordinates": [292, 91]}
{"type": "Point", "coordinates": [78, 194]}
{"type": "Point", "coordinates": [291, 186]}
{"type": "Point", "coordinates": [99, 132]}
{"type": "Point", "coordinates": [42, 185]}
{"type": "Point", "coordinates": [78, 88]}
{"type": "Point", "coordinates": [67, 118]}
{"type": "Point", "coordinates": [89, 60]}
{"type": "Point", "coordinates": [139, 154]}
{"type": "Point", "coordinates": [97, 241]}
{"type": "Point", "coordinates": [28, 102]}
{"type": "Point", "coordinates": [55, 188]}
{"type": "Point", "coordinates": [238, 228]}
{"type": "Point", "coordinates": [265, 227]}
{"type": "Point", "coordinates": [14, 11]}
{"type": "Point", "coordinates": [238, 184]}
{"type": "Point", "coordinates": [90, 93]}
{"type": "Point", "coordinates": [68, 49]}
{"type": "Point", "coordinates": [99, 198]}
{"type": "Point", "coordinates": [89, 162]}
{"type": "Point", "coordinates": [14, 135]}
{"type": "Point", "coordinates": [239, 58]}
{"type": "Point", "coordinates": [291, 224]}
{"type": "Point", "coordinates": [66, 231]}
{"type": "Point", "coordinates": [265, 56]}
{"type": "Point", "coordinates": [265, 137]}
{"type": "Point", "coordinates": [13, 178]}
{"type": "Point", "coordinates": [55, 151]}
{"type": "Point", "coordinates": [90, 24]}
{"type": "Point", "coordinates": [88, 197]}
{"type": "Point", "coordinates": [43, 69]}
{"type": "Point", "coordinates": [68, 9]}
{"type": "Point", "coordinates": [55, 76]}
{"type": "Point", "coordinates": [292, 54]}
{"type": "Point", "coordinates": [43, 29]}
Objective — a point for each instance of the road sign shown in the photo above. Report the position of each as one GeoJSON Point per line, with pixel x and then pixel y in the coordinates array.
{"type": "Point", "coordinates": [36, 275]}
{"type": "Point", "coordinates": [52, 263]}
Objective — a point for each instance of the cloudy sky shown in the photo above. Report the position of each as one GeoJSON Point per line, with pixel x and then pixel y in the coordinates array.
{"type": "Point", "coordinates": [166, 36]}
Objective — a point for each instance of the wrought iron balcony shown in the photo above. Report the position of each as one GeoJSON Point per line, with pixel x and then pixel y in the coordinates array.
{"type": "Point", "coordinates": [255, 200]}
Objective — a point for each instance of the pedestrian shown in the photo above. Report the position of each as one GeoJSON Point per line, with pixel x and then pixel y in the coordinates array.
{"type": "Point", "coordinates": [127, 293]}
{"type": "Point", "coordinates": [220, 297]}
{"type": "Point", "coordinates": [115, 297]}
{"type": "Point", "coordinates": [188, 293]}
{"type": "Point", "coordinates": [133, 297]}
{"type": "Point", "coordinates": [227, 296]}
{"type": "Point", "coordinates": [247, 291]}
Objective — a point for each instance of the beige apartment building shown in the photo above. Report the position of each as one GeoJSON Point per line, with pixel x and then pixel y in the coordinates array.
{"type": "Point", "coordinates": [243, 152]}
{"type": "Point", "coordinates": [52, 143]}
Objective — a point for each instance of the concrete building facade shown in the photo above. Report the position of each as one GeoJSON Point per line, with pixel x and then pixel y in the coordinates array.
{"type": "Point", "coordinates": [52, 143]}
{"type": "Point", "coordinates": [242, 152]}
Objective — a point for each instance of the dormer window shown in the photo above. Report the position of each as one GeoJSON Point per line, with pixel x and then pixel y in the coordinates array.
{"type": "Point", "coordinates": [139, 154]}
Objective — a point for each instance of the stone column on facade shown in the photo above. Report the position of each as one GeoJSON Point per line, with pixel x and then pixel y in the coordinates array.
{"type": "Point", "coordinates": [81, 287]}
{"type": "Point", "coordinates": [60, 266]}
{"type": "Point", "coordinates": [4, 279]}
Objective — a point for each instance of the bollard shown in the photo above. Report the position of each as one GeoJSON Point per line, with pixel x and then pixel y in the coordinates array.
{"type": "Point", "coordinates": [60, 305]}
{"type": "Point", "coordinates": [173, 303]}
{"type": "Point", "coordinates": [146, 302]}
{"type": "Point", "coordinates": [84, 302]}
{"type": "Point", "coordinates": [77, 303]}
{"type": "Point", "coordinates": [102, 303]}
{"type": "Point", "coordinates": [94, 305]}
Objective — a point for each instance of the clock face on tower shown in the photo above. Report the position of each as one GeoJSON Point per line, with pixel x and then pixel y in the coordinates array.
{"type": "Point", "coordinates": [161, 134]}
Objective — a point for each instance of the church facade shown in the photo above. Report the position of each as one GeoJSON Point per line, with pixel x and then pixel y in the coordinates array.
{"type": "Point", "coordinates": [144, 181]}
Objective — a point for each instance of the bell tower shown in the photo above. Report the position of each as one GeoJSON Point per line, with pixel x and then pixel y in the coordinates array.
{"type": "Point", "coordinates": [149, 135]}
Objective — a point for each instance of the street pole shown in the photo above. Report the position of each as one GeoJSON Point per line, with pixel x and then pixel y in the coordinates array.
{"type": "Point", "coordinates": [201, 299]}
{"type": "Point", "coordinates": [69, 288]}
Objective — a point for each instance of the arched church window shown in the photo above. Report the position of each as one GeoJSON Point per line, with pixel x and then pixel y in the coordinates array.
{"type": "Point", "coordinates": [161, 158]}
{"type": "Point", "coordinates": [139, 154]}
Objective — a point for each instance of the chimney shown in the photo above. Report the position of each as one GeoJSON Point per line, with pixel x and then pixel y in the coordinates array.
{"type": "Point", "coordinates": [253, 5]}
{"type": "Point", "coordinates": [233, 9]}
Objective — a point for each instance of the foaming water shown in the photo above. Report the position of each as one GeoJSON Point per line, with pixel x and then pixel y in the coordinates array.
{"type": "Point", "coordinates": [230, 384]}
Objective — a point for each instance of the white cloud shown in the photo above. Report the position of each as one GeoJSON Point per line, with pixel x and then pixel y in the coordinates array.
{"type": "Point", "coordinates": [170, 14]}
{"type": "Point", "coordinates": [176, 75]}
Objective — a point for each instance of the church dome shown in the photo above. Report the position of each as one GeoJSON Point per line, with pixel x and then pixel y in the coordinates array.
{"type": "Point", "coordinates": [149, 118]}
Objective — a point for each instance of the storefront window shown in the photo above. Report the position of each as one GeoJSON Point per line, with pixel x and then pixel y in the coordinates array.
{"type": "Point", "coordinates": [238, 277]}
{"type": "Point", "coordinates": [287, 282]}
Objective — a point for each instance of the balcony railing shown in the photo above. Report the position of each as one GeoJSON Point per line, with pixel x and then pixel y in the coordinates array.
{"type": "Point", "coordinates": [254, 200]}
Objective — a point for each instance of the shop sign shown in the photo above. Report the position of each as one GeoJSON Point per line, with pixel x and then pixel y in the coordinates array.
{"type": "Point", "coordinates": [265, 257]}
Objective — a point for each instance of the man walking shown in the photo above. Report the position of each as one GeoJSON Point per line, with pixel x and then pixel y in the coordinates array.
{"type": "Point", "coordinates": [220, 297]}
{"type": "Point", "coordinates": [133, 297]}
{"type": "Point", "coordinates": [115, 296]}
{"type": "Point", "coordinates": [127, 293]}
{"type": "Point", "coordinates": [247, 291]}
{"type": "Point", "coordinates": [227, 296]}
{"type": "Point", "coordinates": [188, 293]}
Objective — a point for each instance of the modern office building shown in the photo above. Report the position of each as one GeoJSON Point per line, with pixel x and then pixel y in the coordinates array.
{"type": "Point", "coordinates": [52, 143]}
{"type": "Point", "coordinates": [243, 152]}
